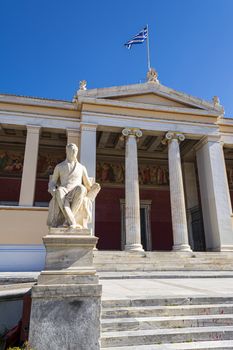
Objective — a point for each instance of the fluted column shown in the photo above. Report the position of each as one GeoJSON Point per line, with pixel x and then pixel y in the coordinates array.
{"type": "Point", "coordinates": [132, 201]}
{"type": "Point", "coordinates": [179, 221]}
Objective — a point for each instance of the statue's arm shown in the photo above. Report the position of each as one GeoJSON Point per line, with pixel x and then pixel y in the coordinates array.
{"type": "Point", "coordinates": [53, 181]}
{"type": "Point", "coordinates": [86, 180]}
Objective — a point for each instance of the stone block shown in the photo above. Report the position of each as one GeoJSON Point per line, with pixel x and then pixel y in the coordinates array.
{"type": "Point", "coordinates": [65, 318]}
{"type": "Point", "coordinates": [66, 302]}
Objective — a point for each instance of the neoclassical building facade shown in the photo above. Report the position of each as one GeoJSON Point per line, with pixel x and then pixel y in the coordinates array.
{"type": "Point", "coordinates": [164, 160]}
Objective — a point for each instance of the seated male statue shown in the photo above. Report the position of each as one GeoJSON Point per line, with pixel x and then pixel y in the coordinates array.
{"type": "Point", "coordinates": [72, 191]}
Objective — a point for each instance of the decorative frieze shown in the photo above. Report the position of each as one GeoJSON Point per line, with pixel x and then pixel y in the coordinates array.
{"type": "Point", "coordinates": [150, 174]}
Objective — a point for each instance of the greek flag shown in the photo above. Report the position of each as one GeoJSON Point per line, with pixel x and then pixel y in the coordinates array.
{"type": "Point", "coordinates": [138, 38]}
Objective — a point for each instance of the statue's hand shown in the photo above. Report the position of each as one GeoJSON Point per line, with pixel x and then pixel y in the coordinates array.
{"type": "Point", "coordinates": [52, 191]}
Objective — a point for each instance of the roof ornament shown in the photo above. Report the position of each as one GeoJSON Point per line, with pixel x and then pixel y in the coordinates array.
{"type": "Point", "coordinates": [83, 85]}
{"type": "Point", "coordinates": [216, 101]}
{"type": "Point", "coordinates": [152, 76]}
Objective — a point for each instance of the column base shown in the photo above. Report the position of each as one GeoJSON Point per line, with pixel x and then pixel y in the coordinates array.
{"type": "Point", "coordinates": [134, 248]}
{"type": "Point", "coordinates": [182, 248]}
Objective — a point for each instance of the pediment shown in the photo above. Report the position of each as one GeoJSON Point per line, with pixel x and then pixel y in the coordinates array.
{"type": "Point", "coordinates": [153, 94]}
{"type": "Point", "coordinates": [152, 99]}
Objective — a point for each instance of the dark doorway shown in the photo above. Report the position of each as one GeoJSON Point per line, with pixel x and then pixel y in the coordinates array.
{"type": "Point", "coordinates": [198, 230]}
{"type": "Point", "coordinates": [143, 228]}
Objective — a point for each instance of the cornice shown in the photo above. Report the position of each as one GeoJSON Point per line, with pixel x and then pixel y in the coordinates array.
{"type": "Point", "coordinates": [36, 101]}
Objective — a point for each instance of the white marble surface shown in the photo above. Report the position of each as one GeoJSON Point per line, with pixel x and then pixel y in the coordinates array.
{"type": "Point", "coordinates": [132, 201]}
{"type": "Point", "coordinates": [215, 197]}
{"type": "Point", "coordinates": [179, 221]}
{"type": "Point", "coordinates": [153, 288]}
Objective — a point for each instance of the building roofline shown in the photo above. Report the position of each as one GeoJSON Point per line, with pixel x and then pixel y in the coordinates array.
{"type": "Point", "coordinates": [36, 101]}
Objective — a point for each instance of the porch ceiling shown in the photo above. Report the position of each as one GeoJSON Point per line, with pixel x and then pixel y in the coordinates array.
{"type": "Point", "coordinates": [148, 145]}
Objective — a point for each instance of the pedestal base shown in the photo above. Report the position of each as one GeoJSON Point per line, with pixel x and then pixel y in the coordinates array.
{"type": "Point", "coordinates": [66, 303]}
{"type": "Point", "coordinates": [65, 317]}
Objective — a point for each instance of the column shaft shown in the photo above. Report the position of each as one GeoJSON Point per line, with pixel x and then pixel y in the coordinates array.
{"type": "Point", "coordinates": [215, 197]}
{"type": "Point", "coordinates": [28, 182]}
{"type": "Point", "coordinates": [88, 158]}
{"type": "Point", "coordinates": [132, 201]}
{"type": "Point", "coordinates": [179, 221]}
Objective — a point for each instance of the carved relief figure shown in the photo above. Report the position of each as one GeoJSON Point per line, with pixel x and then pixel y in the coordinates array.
{"type": "Point", "coordinates": [72, 191]}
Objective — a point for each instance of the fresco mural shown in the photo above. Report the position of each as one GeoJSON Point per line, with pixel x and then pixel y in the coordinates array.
{"type": "Point", "coordinates": [11, 163]}
{"type": "Point", "coordinates": [149, 174]}
{"type": "Point", "coordinates": [48, 158]}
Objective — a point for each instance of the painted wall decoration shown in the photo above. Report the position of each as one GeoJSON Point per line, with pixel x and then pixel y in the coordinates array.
{"type": "Point", "coordinates": [48, 158]}
{"type": "Point", "coordinates": [11, 163]}
{"type": "Point", "coordinates": [149, 174]}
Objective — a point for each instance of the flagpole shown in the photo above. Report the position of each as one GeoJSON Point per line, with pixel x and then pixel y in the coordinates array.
{"type": "Point", "coordinates": [148, 48]}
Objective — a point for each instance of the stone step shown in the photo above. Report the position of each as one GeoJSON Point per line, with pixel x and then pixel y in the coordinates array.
{"type": "Point", "coordinates": [139, 323]}
{"type": "Point", "coordinates": [162, 261]}
{"type": "Point", "coordinates": [109, 275]}
{"type": "Point", "coordinates": [169, 301]}
{"type": "Point", "coordinates": [205, 345]}
{"type": "Point", "coordinates": [177, 310]}
{"type": "Point", "coordinates": [175, 266]}
{"type": "Point", "coordinates": [171, 335]}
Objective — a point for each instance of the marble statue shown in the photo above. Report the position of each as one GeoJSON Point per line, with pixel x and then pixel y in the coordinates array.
{"type": "Point", "coordinates": [73, 193]}
{"type": "Point", "coordinates": [152, 76]}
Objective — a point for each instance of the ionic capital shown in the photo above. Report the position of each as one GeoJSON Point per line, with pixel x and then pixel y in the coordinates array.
{"type": "Point", "coordinates": [170, 136]}
{"type": "Point", "coordinates": [132, 132]}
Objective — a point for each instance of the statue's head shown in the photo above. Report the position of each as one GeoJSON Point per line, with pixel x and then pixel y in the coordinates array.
{"type": "Point", "coordinates": [71, 151]}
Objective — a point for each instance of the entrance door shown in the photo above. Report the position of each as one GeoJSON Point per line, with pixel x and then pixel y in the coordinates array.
{"type": "Point", "coordinates": [145, 208]}
{"type": "Point", "coordinates": [198, 235]}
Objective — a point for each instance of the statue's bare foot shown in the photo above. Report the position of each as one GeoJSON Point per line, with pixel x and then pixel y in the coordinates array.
{"type": "Point", "coordinates": [66, 224]}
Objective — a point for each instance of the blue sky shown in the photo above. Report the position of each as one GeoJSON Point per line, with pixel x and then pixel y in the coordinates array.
{"type": "Point", "coordinates": [48, 46]}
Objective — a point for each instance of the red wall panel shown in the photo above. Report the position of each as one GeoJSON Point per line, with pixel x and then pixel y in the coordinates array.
{"type": "Point", "coordinates": [41, 192]}
{"type": "Point", "coordinates": [108, 218]}
{"type": "Point", "coordinates": [10, 189]}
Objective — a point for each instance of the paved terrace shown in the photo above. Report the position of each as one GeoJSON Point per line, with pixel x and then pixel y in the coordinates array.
{"type": "Point", "coordinates": [152, 284]}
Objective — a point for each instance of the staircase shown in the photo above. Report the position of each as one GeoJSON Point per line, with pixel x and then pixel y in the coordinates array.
{"type": "Point", "coordinates": [171, 323]}
{"type": "Point", "coordinates": [162, 261]}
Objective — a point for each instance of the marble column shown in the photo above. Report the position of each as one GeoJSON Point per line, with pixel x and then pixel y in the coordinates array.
{"type": "Point", "coordinates": [88, 157]}
{"type": "Point", "coordinates": [179, 221]}
{"type": "Point", "coordinates": [215, 197]}
{"type": "Point", "coordinates": [28, 182]}
{"type": "Point", "coordinates": [132, 201]}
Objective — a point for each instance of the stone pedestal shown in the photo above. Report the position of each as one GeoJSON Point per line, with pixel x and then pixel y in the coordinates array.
{"type": "Point", "coordinates": [66, 302]}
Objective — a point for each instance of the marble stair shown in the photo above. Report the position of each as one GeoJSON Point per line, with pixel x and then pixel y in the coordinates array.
{"type": "Point", "coordinates": [171, 323]}
{"type": "Point", "coordinates": [120, 261]}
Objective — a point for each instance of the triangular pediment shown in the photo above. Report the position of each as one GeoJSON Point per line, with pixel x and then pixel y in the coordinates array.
{"type": "Point", "coordinates": [153, 94]}
{"type": "Point", "coordinates": [152, 99]}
